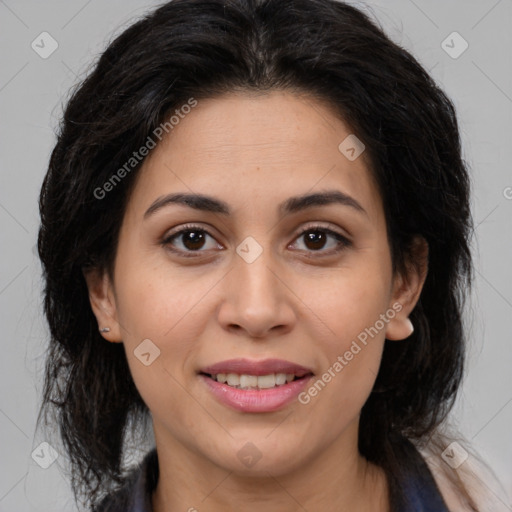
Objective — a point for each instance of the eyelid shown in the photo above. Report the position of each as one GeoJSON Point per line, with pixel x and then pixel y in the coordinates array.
{"type": "Point", "coordinates": [328, 227]}
{"type": "Point", "coordinates": [185, 227]}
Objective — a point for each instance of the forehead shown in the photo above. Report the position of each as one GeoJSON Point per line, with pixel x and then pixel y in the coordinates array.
{"type": "Point", "coordinates": [250, 146]}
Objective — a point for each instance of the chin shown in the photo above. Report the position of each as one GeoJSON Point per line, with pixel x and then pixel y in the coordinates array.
{"type": "Point", "coordinates": [261, 457]}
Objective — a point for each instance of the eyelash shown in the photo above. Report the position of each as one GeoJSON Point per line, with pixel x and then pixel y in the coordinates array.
{"type": "Point", "coordinates": [343, 241]}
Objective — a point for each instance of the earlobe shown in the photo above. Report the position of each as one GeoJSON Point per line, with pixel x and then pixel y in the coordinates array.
{"type": "Point", "coordinates": [399, 328]}
{"type": "Point", "coordinates": [103, 304]}
{"type": "Point", "coordinates": [407, 287]}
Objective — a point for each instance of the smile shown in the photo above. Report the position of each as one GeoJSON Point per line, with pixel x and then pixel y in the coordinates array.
{"type": "Point", "coordinates": [245, 381]}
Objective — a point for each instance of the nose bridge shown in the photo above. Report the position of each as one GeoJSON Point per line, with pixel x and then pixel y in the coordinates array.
{"type": "Point", "coordinates": [257, 284]}
{"type": "Point", "coordinates": [256, 300]}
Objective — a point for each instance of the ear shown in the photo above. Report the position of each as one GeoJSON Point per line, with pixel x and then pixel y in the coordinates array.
{"type": "Point", "coordinates": [407, 286]}
{"type": "Point", "coordinates": [102, 298]}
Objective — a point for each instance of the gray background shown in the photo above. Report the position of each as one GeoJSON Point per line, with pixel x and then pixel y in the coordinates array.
{"type": "Point", "coordinates": [32, 90]}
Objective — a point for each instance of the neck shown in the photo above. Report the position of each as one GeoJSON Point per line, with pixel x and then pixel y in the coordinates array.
{"type": "Point", "coordinates": [339, 478]}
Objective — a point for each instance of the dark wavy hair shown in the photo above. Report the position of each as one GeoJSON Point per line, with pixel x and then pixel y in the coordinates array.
{"type": "Point", "coordinates": [203, 48]}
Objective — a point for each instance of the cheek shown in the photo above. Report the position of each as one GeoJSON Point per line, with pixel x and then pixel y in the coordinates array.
{"type": "Point", "coordinates": [158, 300]}
{"type": "Point", "coordinates": [351, 364]}
{"type": "Point", "coordinates": [354, 308]}
{"type": "Point", "coordinates": [349, 300]}
{"type": "Point", "coordinates": [167, 330]}
{"type": "Point", "coordinates": [160, 313]}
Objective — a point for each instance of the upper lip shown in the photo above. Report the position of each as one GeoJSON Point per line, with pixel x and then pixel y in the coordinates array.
{"type": "Point", "coordinates": [251, 367]}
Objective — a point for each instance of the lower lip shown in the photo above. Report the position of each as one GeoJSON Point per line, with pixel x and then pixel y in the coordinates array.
{"type": "Point", "coordinates": [253, 400]}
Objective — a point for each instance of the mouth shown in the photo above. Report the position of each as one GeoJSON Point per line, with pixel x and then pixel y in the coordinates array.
{"type": "Point", "coordinates": [256, 386]}
{"type": "Point", "coordinates": [254, 382]}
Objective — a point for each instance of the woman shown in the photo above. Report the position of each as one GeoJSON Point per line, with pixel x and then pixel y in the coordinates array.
{"type": "Point", "coordinates": [255, 233]}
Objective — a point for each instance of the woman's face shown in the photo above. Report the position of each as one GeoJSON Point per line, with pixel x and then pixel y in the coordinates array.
{"type": "Point", "coordinates": [261, 274]}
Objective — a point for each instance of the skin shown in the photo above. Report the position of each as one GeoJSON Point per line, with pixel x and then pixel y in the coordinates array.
{"type": "Point", "coordinates": [294, 302]}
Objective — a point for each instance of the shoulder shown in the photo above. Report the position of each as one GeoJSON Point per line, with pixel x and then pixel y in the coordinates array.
{"type": "Point", "coordinates": [454, 499]}
{"type": "Point", "coordinates": [468, 487]}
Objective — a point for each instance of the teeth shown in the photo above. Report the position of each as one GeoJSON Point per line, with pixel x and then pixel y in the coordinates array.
{"type": "Point", "coordinates": [252, 381]}
{"type": "Point", "coordinates": [248, 381]}
{"type": "Point", "coordinates": [280, 379]}
{"type": "Point", "coordinates": [233, 379]}
{"type": "Point", "coordinates": [266, 381]}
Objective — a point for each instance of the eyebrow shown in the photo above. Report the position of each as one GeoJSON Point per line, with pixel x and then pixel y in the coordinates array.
{"type": "Point", "coordinates": [291, 205]}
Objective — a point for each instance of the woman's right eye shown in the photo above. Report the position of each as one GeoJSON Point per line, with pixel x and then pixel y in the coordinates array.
{"type": "Point", "coordinates": [190, 239]}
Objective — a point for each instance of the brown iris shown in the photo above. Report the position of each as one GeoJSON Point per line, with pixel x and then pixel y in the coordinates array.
{"type": "Point", "coordinates": [193, 240]}
{"type": "Point", "coordinates": [316, 239]}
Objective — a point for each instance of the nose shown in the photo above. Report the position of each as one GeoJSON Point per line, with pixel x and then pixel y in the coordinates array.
{"type": "Point", "coordinates": [257, 302]}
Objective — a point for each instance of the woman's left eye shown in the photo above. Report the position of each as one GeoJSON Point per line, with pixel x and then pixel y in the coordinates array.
{"type": "Point", "coordinates": [316, 239]}
{"type": "Point", "coordinates": [192, 239]}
